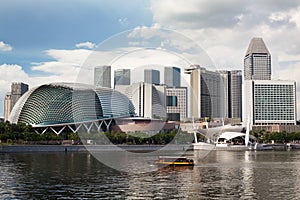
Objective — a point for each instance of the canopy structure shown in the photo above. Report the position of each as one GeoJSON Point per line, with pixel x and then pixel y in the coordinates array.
{"type": "Point", "coordinates": [230, 135]}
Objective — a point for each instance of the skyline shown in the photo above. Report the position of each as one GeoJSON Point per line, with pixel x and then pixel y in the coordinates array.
{"type": "Point", "coordinates": [43, 42]}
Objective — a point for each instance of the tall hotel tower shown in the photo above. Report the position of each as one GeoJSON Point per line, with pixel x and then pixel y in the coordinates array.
{"type": "Point", "coordinates": [206, 92]}
{"type": "Point", "coordinates": [257, 61]}
{"type": "Point", "coordinates": [102, 76]}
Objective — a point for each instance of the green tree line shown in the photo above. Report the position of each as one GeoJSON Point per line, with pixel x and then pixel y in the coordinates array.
{"type": "Point", "coordinates": [264, 136]}
{"type": "Point", "coordinates": [25, 134]}
{"type": "Point", "coordinates": [22, 133]}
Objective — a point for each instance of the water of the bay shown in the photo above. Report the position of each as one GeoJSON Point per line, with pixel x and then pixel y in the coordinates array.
{"type": "Point", "coordinates": [220, 175]}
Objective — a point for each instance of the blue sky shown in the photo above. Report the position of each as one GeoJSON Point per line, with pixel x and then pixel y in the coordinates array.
{"type": "Point", "coordinates": [32, 26]}
{"type": "Point", "coordinates": [43, 41]}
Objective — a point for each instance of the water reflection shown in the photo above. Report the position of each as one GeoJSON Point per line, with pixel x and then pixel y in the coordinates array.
{"type": "Point", "coordinates": [221, 174]}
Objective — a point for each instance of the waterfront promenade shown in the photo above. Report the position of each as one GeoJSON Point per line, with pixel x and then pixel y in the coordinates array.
{"type": "Point", "coordinates": [83, 148]}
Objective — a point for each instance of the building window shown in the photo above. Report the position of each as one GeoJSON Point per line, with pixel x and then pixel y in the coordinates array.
{"type": "Point", "coordinates": [172, 101]}
{"type": "Point", "coordinates": [173, 116]}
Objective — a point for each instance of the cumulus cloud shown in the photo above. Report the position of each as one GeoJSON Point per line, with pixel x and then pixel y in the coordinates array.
{"type": "Point", "coordinates": [88, 45]}
{"type": "Point", "coordinates": [225, 29]}
{"type": "Point", "coordinates": [64, 68]}
{"type": "Point", "coordinates": [5, 47]}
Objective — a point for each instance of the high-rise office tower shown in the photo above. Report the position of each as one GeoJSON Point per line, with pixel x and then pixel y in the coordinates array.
{"type": "Point", "coordinates": [152, 76]}
{"type": "Point", "coordinates": [232, 81]}
{"type": "Point", "coordinates": [122, 77]}
{"type": "Point", "coordinates": [257, 61]}
{"type": "Point", "coordinates": [17, 90]}
{"type": "Point", "coordinates": [172, 76]}
{"type": "Point", "coordinates": [206, 93]}
{"type": "Point", "coordinates": [102, 76]}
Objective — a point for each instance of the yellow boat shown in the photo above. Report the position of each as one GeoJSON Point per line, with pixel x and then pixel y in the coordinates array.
{"type": "Point", "coordinates": [175, 161]}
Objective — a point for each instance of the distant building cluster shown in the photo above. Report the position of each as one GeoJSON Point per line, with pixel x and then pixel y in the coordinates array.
{"type": "Point", "coordinates": [211, 94]}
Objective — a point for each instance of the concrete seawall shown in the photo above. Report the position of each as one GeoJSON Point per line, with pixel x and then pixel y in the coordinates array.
{"type": "Point", "coordinates": [82, 148]}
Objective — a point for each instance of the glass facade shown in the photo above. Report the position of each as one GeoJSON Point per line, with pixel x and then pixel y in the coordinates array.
{"type": "Point", "coordinates": [152, 76]}
{"type": "Point", "coordinates": [257, 61]}
{"type": "Point", "coordinates": [66, 103]}
{"type": "Point", "coordinates": [274, 103]}
{"type": "Point", "coordinates": [102, 76]}
{"type": "Point", "coordinates": [172, 76]}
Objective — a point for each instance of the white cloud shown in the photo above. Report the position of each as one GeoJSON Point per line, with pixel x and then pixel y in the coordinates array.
{"type": "Point", "coordinates": [5, 47]}
{"type": "Point", "coordinates": [65, 68]}
{"type": "Point", "coordinates": [224, 30]}
{"type": "Point", "coordinates": [88, 45]}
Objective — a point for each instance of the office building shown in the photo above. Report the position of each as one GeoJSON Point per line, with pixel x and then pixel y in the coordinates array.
{"type": "Point", "coordinates": [257, 61]}
{"type": "Point", "coordinates": [176, 103]}
{"type": "Point", "coordinates": [102, 76]}
{"type": "Point", "coordinates": [270, 102]}
{"type": "Point", "coordinates": [122, 77]}
{"type": "Point", "coordinates": [152, 76]}
{"type": "Point", "coordinates": [149, 100]}
{"type": "Point", "coordinates": [232, 81]}
{"type": "Point", "coordinates": [206, 93]}
{"type": "Point", "coordinates": [172, 77]}
{"type": "Point", "coordinates": [17, 90]}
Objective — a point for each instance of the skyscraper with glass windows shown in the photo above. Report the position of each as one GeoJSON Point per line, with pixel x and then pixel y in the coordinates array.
{"type": "Point", "coordinates": [270, 102]}
{"type": "Point", "coordinates": [206, 93]}
{"type": "Point", "coordinates": [102, 76]}
{"type": "Point", "coordinates": [17, 90]}
{"type": "Point", "coordinates": [257, 61]}
{"type": "Point", "coordinates": [232, 82]}
{"type": "Point", "coordinates": [172, 76]}
{"type": "Point", "coordinates": [152, 76]}
{"type": "Point", "coordinates": [122, 77]}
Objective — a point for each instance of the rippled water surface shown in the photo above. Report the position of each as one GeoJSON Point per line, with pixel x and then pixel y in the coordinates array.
{"type": "Point", "coordinates": [220, 175]}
